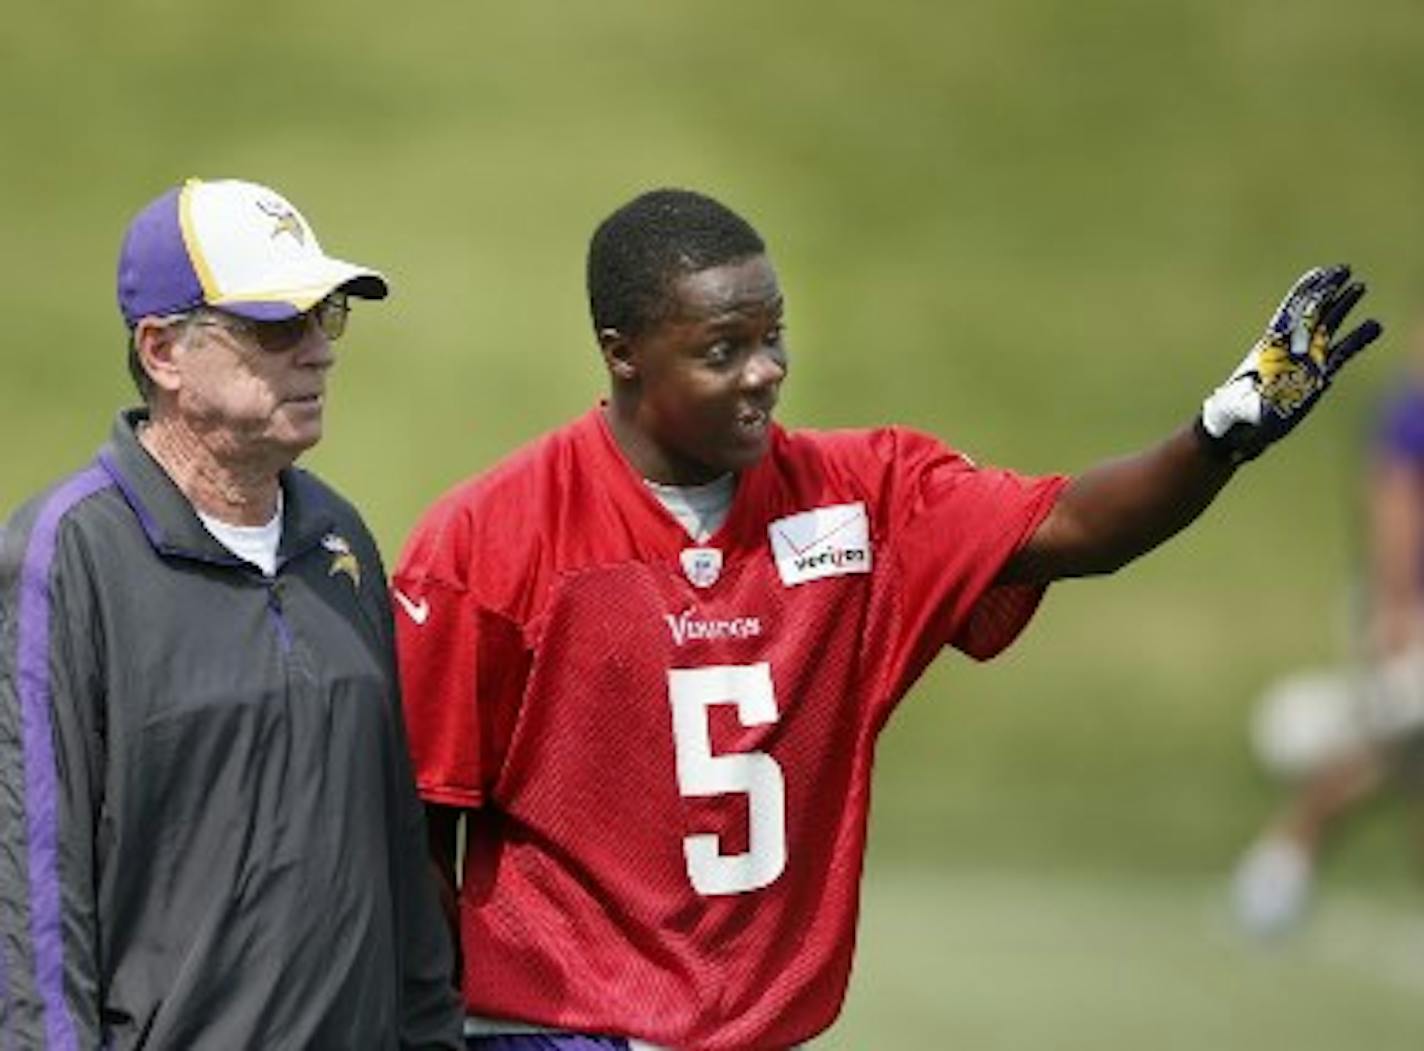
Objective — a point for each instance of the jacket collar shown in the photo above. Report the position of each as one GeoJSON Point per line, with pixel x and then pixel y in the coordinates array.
{"type": "Point", "coordinates": [168, 519]}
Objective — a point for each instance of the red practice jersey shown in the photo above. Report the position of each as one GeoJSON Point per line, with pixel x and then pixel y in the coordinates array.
{"type": "Point", "coordinates": [668, 744]}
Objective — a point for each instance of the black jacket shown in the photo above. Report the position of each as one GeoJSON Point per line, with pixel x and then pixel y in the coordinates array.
{"type": "Point", "coordinates": [209, 836]}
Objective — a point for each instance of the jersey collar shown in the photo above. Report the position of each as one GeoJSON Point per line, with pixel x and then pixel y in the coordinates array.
{"type": "Point", "coordinates": [658, 527]}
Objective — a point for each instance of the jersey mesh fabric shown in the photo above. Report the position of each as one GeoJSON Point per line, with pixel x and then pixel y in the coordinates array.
{"type": "Point", "coordinates": [544, 685]}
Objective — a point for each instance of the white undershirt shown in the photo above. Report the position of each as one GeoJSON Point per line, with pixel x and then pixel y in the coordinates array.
{"type": "Point", "coordinates": [255, 544]}
{"type": "Point", "coordinates": [700, 508]}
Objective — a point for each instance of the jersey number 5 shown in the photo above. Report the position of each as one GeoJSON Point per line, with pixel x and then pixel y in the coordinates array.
{"type": "Point", "coordinates": [756, 775]}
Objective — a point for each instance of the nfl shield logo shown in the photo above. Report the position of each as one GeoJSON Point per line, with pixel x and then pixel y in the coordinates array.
{"type": "Point", "coordinates": [703, 565]}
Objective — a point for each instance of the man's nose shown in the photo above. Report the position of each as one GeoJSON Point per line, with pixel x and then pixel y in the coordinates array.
{"type": "Point", "coordinates": [315, 349]}
{"type": "Point", "coordinates": [765, 368]}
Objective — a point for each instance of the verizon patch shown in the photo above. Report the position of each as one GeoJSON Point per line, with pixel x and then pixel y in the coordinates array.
{"type": "Point", "coordinates": [827, 542]}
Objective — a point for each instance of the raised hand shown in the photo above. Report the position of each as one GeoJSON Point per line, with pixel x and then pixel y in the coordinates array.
{"type": "Point", "coordinates": [1290, 367]}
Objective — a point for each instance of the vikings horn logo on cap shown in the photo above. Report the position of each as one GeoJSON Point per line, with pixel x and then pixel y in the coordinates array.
{"type": "Point", "coordinates": [287, 219]}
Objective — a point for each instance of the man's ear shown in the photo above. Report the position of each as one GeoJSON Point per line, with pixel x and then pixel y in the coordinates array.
{"type": "Point", "coordinates": [156, 343]}
{"type": "Point", "coordinates": [618, 355]}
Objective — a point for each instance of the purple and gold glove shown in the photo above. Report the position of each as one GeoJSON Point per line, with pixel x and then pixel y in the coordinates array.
{"type": "Point", "coordinates": [1288, 369]}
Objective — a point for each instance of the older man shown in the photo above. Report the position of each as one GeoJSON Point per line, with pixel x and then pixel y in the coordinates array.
{"type": "Point", "coordinates": [209, 836]}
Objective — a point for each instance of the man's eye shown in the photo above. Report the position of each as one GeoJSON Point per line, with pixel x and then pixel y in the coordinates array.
{"type": "Point", "coordinates": [279, 336]}
{"type": "Point", "coordinates": [775, 335]}
{"type": "Point", "coordinates": [718, 353]}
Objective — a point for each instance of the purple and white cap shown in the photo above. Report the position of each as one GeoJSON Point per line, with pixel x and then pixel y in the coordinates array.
{"type": "Point", "coordinates": [234, 245]}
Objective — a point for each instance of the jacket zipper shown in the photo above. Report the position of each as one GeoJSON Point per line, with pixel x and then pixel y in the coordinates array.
{"type": "Point", "coordinates": [279, 619]}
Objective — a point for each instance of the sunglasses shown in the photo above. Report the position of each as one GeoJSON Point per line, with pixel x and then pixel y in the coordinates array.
{"type": "Point", "coordinates": [277, 337]}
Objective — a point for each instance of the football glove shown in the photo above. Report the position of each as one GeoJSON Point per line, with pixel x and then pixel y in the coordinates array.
{"type": "Point", "coordinates": [1289, 368]}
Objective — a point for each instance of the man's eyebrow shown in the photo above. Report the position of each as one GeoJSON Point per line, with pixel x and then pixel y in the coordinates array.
{"type": "Point", "coordinates": [732, 312]}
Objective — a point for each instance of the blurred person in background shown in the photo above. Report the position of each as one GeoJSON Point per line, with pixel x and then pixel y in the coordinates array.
{"type": "Point", "coordinates": [209, 833]}
{"type": "Point", "coordinates": [1343, 735]}
{"type": "Point", "coordinates": [647, 658]}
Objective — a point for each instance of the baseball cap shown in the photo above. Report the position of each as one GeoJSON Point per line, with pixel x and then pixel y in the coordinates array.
{"type": "Point", "coordinates": [230, 244]}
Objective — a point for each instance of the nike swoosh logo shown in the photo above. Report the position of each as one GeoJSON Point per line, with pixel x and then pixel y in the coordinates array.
{"type": "Point", "coordinates": [417, 611]}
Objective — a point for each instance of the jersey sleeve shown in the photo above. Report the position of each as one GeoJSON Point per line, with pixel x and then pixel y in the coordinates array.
{"type": "Point", "coordinates": [952, 526]}
{"type": "Point", "coordinates": [462, 667]}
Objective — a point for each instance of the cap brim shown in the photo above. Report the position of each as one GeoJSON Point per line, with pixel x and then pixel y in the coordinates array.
{"type": "Point", "coordinates": [337, 276]}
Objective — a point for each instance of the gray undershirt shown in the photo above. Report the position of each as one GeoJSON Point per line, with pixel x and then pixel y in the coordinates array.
{"type": "Point", "coordinates": [701, 509]}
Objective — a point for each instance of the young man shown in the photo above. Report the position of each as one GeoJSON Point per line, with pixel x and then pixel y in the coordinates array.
{"type": "Point", "coordinates": [209, 833]}
{"type": "Point", "coordinates": [647, 658]}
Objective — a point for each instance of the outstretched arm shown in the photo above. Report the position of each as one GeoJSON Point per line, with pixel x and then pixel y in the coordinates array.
{"type": "Point", "coordinates": [1112, 513]}
{"type": "Point", "coordinates": [1120, 510]}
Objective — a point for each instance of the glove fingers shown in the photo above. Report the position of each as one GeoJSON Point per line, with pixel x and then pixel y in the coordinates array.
{"type": "Point", "coordinates": [1352, 344]}
{"type": "Point", "coordinates": [1282, 320]}
{"type": "Point", "coordinates": [1336, 275]}
{"type": "Point", "coordinates": [1335, 310]}
{"type": "Point", "coordinates": [1310, 289]}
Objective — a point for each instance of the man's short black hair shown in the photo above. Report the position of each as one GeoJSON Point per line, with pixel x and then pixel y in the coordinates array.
{"type": "Point", "coordinates": [639, 250]}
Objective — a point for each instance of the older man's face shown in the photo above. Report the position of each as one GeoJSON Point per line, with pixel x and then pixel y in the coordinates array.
{"type": "Point", "coordinates": [249, 401]}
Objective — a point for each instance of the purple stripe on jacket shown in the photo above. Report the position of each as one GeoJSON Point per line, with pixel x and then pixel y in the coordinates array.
{"type": "Point", "coordinates": [41, 775]}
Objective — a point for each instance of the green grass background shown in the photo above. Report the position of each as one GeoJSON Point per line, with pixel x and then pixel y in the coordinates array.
{"type": "Point", "coordinates": [1041, 228]}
